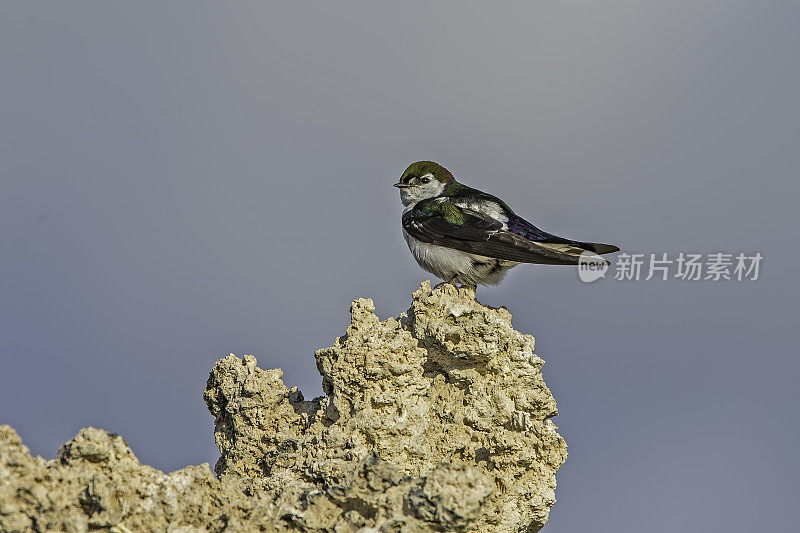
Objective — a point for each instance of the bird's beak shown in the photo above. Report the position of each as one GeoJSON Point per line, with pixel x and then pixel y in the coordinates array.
{"type": "Point", "coordinates": [401, 185]}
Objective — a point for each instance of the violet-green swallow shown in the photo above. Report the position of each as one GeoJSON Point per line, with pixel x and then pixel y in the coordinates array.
{"type": "Point", "coordinates": [466, 236]}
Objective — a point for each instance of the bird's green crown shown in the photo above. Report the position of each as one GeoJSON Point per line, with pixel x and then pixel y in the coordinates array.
{"type": "Point", "coordinates": [420, 168]}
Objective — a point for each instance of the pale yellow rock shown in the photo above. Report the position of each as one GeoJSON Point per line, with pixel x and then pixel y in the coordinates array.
{"type": "Point", "coordinates": [435, 421]}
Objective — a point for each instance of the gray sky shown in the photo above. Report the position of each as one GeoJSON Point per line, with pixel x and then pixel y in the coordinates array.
{"type": "Point", "coordinates": [181, 180]}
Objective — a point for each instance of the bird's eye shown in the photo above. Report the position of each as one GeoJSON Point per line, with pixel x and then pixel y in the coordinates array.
{"type": "Point", "coordinates": [425, 179]}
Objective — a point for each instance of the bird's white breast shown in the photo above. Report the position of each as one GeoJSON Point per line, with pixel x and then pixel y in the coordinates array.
{"type": "Point", "coordinates": [447, 263]}
{"type": "Point", "coordinates": [439, 260]}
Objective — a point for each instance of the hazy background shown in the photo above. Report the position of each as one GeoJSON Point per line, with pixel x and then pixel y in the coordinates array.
{"type": "Point", "coordinates": [181, 180]}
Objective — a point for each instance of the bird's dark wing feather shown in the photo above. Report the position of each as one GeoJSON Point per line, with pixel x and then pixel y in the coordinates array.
{"type": "Point", "coordinates": [480, 234]}
{"type": "Point", "coordinates": [523, 228]}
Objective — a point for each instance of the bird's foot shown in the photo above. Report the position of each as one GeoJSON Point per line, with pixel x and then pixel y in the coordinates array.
{"type": "Point", "coordinates": [451, 282]}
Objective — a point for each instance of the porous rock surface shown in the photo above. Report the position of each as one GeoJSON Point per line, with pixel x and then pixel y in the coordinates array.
{"type": "Point", "coordinates": [435, 421]}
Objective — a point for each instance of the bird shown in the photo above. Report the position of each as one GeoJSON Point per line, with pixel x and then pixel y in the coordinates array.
{"type": "Point", "coordinates": [468, 237]}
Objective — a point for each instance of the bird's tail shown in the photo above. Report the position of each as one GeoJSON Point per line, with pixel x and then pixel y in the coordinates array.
{"type": "Point", "coordinates": [598, 248]}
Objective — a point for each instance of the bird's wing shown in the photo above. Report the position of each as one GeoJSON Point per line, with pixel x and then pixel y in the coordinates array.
{"type": "Point", "coordinates": [518, 225]}
{"type": "Point", "coordinates": [445, 224]}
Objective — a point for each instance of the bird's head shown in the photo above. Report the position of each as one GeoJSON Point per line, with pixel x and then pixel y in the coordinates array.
{"type": "Point", "coordinates": [422, 180]}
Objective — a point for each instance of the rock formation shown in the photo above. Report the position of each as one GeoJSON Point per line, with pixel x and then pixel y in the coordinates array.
{"type": "Point", "coordinates": [436, 421]}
